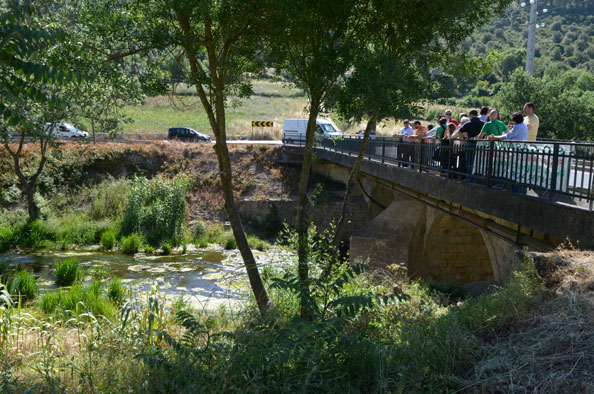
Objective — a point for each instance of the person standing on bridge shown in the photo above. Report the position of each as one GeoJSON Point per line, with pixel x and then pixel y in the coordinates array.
{"type": "Point", "coordinates": [471, 131]}
{"type": "Point", "coordinates": [531, 121]}
{"type": "Point", "coordinates": [418, 138]}
{"type": "Point", "coordinates": [404, 147]}
{"type": "Point", "coordinates": [519, 131]}
{"type": "Point", "coordinates": [448, 116]}
{"type": "Point", "coordinates": [494, 126]}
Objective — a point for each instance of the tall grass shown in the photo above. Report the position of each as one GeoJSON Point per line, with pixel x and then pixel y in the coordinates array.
{"type": "Point", "coordinates": [157, 209]}
{"type": "Point", "coordinates": [67, 271]}
{"type": "Point", "coordinates": [23, 284]}
{"type": "Point", "coordinates": [131, 243]}
{"type": "Point", "coordinates": [78, 299]}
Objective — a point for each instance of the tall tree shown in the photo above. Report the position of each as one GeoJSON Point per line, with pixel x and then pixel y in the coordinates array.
{"type": "Point", "coordinates": [220, 39]}
{"type": "Point", "coordinates": [311, 42]}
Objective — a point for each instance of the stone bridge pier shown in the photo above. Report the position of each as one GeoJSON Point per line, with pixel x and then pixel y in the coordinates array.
{"type": "Point", "coordinates": [425, 242]}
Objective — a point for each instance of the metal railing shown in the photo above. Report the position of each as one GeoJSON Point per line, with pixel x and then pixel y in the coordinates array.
{"type": "Point", "coordinates": [551, 169]}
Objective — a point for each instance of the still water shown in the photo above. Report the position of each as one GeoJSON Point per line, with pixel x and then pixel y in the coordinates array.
{"type": "Point", "coordinates": [205, 278]}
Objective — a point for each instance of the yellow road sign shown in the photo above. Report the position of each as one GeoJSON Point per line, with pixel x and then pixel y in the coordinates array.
{"type": "Point", "coordinates": [261, 123]}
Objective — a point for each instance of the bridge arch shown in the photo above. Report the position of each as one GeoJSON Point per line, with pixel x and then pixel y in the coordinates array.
{"type": "Point", "coordinates": [455, 251]}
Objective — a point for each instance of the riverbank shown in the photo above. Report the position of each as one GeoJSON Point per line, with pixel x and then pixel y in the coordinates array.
{"type": "Point", "coordinates": [533, 334]}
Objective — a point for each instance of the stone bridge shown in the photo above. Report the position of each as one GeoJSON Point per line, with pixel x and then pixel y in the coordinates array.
{"type": "Point", "coordinates": [445, 229]}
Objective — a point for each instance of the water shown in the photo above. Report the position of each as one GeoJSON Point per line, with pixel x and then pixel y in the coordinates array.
{"type": "Point", "coordinates": [205, 278]}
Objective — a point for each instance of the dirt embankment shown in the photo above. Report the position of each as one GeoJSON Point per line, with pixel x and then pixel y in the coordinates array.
{"type": "Point", "coordinates": [256, 172]}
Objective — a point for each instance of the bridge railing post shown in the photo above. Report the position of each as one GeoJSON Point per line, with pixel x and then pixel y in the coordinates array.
{"type": "Point", "coordinates": [383, 149]}
{"type": "Point", "coordinates": [555, 170]}
{"type": "Point", "coordinates": [490, 155]}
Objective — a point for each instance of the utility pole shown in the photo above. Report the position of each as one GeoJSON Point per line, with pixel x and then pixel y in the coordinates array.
{"type": "Point", "coordinates": [531, 36]}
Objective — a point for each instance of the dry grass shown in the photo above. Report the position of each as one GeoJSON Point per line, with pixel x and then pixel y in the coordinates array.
{"type": "Point", "coordinates": [551, 350]}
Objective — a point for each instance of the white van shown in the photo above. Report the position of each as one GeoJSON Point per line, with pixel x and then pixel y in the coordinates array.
{"type": "Point", "coordinates": [295, 129]}
{"type": "Point", "coordinates": [65, 130]}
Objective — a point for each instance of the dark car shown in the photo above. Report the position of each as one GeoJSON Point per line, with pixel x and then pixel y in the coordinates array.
{"type": "Point", "coordinates": [186, 134]}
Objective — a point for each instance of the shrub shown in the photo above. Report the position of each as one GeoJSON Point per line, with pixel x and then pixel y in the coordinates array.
{"type": "Point", "coordinates": [229, 241]}
{"type": "Point", "coordinates": [156, 208]}
{"type": "Point", "coordinates": [166, 249]}
{"type": "Point", "coordinates": [108, 239]}
{"type": "Point", "coordinates": [201, 243]}
{"type": "Point", "coordinates": [199, 229]}
{"type": "Point", "coordinates": [148, 249]}
{"type": "Point", "coordinates": [67, 272]}
{"type": "Point", "coordinates": [50, 301]}
{"type": "Point", "coordinates": [131, 244]}
{"type": "Point", "coordinates": [23, 284]}
{"type": "Point", "coordinates": [7, 234]}
{"type": "Point", "coordinates": [115, 290]}
{"type": "Point", "coordinates": [33, 234]}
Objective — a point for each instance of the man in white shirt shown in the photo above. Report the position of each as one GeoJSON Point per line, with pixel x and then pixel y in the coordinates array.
{"type": "Point", "coordinates": [404, 148]}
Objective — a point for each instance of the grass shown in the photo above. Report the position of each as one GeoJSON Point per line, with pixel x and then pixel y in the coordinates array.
{"type": "Point", "coordinates": [108, 239]}
{"type": "Point", "coordinates": [272, 101]}
{"type": "Point", "coordinates": [77, 300]}
{"type": "Point", "coordinates": [67, 272]}
{"type": "Point", "coordinates": [131, 243]}
{"type": "Point", "coordinates": [23, 284]}
{"type": "Point", "coordinates": [115, 291]}
{"type": "Point", "coordinates": [519, 336]}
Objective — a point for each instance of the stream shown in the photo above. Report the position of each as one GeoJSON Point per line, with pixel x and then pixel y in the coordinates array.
{"type": "Point", "coordinates": [206, 278]}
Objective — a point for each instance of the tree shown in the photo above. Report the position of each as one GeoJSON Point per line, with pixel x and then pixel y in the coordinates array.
{"type": "Point", "coordinates": [220, 41]}
{"type": "Point", "coordinates": [29, 91]}
{"type": "Point", "coordinates": [311, 42]}
{"type": "Point", "coordinates": [314, 43]}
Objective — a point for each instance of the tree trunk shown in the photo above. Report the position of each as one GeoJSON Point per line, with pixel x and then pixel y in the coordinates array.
{"type": "Point", "coordinates": [302, 210]}
{"type": "Point", "coordinates": [32, 208]}
{"type": "Point", "coordinates": [217, 122]}
{"type": "Point", "coordinates": [349, 190]}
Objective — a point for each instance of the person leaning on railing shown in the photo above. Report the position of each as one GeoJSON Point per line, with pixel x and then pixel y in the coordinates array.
{"type": "Point", "coordinates": [471, 130]}
{"type": "Point", "coordinates": [519, 131]}
{"type": "Point", "coordinates": [493, 127]}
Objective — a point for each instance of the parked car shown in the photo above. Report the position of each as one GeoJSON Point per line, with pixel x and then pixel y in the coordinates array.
{"type": "Point", "coordinates": [186, 134]}
{"type": "Point", "coordinates": [65, 130]}
{"type": "Point", "coordinates": [361, 133]}
{"type": "Point", "coordinates": [295, 129]}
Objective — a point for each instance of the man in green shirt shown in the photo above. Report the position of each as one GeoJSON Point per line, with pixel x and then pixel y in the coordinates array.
{"type": "Point", "coordinates": [493, 127]}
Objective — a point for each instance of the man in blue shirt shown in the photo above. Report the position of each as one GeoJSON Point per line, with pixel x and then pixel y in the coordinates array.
{"type": "Point", "coordinates": [519, 131]}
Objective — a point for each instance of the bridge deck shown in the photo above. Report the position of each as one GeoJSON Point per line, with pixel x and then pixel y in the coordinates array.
{"type": "Point", "coordinates": [556, 199]}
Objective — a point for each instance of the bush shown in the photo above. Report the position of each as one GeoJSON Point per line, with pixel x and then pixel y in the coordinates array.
{"type": "Point", "coordinates": [115, 290]}
{"type": "Point", "coordinates": [7, 234]}
{"type": "Point", "coordinates": [199, 229]}
{"type": "Point", "coordinates": [108, 239]}
{"type": "Point", "coordinates": [229, 242]}
{"type": "Point", "coordinates": [23, 284]}
{"type": "Point", "coordinates": [148, 249]}
{"type": "Point", "coordinates": [131, 244]}
{"type": "Point", "coordinates": [67, 272]}
{"type": "Point", "coordinates": [166, 249]}
{"type": "Point", "coordinates": [157, 208]}
{"type": "Point", "coordinates": [33, 234]}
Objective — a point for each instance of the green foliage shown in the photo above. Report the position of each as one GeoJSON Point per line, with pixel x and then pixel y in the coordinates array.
{"type": "Point", "coordinates": [166, 249]}
{"type": "Point", "coordinates": [23, 284]}
{"type": "Point", "coordinates": [229, 241]}
{"type": "Point", "coordinates": [109, 200]}
{"type": "Point", "coordinates": [67, 272]}
{"type": "Point", "coordinates": [148, 249]}
{"type": "Point", "coordinates": [563, 100]}
{"type": "Point", "coordinates": [77, 300]}
{"type": "Point", "coordinates": [115, 291]}
{"type": "Point", "coordinates": [7, 234]}
{"type": "Point", "coordinates": [157, 209]}
{"type": "Point", "coordinates": [131, 243]}
{"type": "Point", "coordinates": [108, 239]}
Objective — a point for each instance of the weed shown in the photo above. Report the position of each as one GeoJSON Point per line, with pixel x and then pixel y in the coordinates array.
{"type": "Point", "coordinates": [67, 272]}
{"type": "Point", "coordinates": [108, 239]}
{"type": "Point", "coordinates": [131, 243]}
{"type": "Point", "coordinates": [148, 249]}
{"type": "Point", "coordinates": [115, 290]}
{"type": "Point", "coordinates": [156, 208]}
{"type": "Point", "coordinates": [7, 234]}
{"type": "Point", "coordinates": [23, 284]}
{"type": "Point", "coordinates": [229, 241]}
{"type": "Point", "coordinates": [166, 249]}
